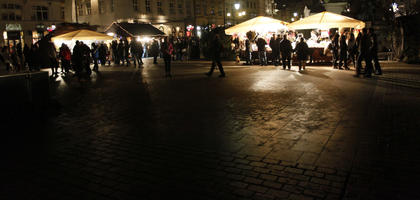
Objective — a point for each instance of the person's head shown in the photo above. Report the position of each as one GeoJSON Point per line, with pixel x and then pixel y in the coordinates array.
{"type": "Point", "coordinates": [285, 36]}
{"type": "Point", "coordinates": [302, 39]}
{"type": "Point", "coordinates": [364, 31]}
{"type": "Point", "coordinates": [278, 36]}
{"type": "Point", "coordinates": [63, 45]}
{"type": "Point", "coordinates": [77, 42]}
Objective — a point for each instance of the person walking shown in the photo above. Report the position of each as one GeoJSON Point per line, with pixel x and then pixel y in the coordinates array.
{"type": "Point", "coordinates": [351, 49]}
{"type": "Point", "coordinates": [216, 48]}
{"type": "Point", "coordinates": [343, 52]}
{"type": "Point", "coordinates": [335, 50]}
{"type": "Point", "coordinates": [154, 50]}
{"type": "Point", "coordinates": [26, 52]}
{"type": "Point", "coordinates": [126, 55]}
{"type": "Point", "coordinates": [248, 52]}
{"type": "Point", "coordinates": [65, 57]}
{"type": "Point", "coordinates": [120, 50]}
{"type": "Point", "coordinates": [167, 51]}
{"type": "Point", "coordinates": [286, 51]}
{"type": "Point", "coordinates": [95, 56]}
{"type": "Point", "coordinates": [134, 52]}
{"type": "Point", "coordinates": [374, 51]}
{"type": "Point", "coordinates": [77, 59]}
{"type": "Point", "coordinates": [114, 51]}
{"type": "Point", "coordinates": [364, 54]}
{"type": "Point", "coordinates": [262, 55]}
{"type": "Point", "coordinates": [302, 51]}
{"type": "Point", "coordinates": [102, 54]}
{"type": "Point", "coordinates": [275, 45]}
{"type": "Point", "coordinates": [140, 53]}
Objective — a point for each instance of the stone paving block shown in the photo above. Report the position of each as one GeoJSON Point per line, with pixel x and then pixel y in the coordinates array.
{"type": "Point", "coordinates": [300, 197]}
{"type": "Point", "coordinates": [308, 158]}
{"type": "Point", "coordinates": [252, 180]}
{"type": "Point", "coordinates": [238, 184]}
{"type": "Point", "coordinates": [257, 188]}
{"type": "Point", "coordinates": [294, 170]}
{"type": "Point", "coordinates": [268, 177]}
{"type": "Point", "coordinates": [274, 185]}
{"type": "Point", "coordinates": [285, 155]}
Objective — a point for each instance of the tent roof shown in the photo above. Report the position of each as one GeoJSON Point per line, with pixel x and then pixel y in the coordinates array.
{"type": "Point", "coordinates": [326, 20]}
{"type": "Point", "coordinates": [82, 35]}
{"type": "Point", "coordinates": [126, 29]}
{"type": "Point", "coordinates": [258, 24]}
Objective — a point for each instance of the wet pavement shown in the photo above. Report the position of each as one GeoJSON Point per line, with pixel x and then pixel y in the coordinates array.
{"type": "Point", "coordinates": [259, 133]}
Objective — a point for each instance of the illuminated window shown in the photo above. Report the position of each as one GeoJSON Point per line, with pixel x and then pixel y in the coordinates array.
{"type": "Point", "coordinates": [40, 13]}
{"type": "Point", "coordinates": [180, 7]}
{"type": "Point", "coordinates": [172, 10]}
{"type": "Point", "coordinates": [159, 7]}
{"type": "Point", "coordinates": [101, 6]}
{"type": "Point", "coordinates": [88, 8]}
{"type": "Point", "coordinates": [80, 10]}
{"type": "Point", "coordinates": [62, 12]}
{"type": "Point", "coordinates": [148, 9]}
{"type": "Point", "coordinates": [135, 5]}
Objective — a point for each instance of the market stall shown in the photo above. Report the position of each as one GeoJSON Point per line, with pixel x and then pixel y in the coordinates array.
{"type": "Point", "coordinates": [264, 27]}
{"type": "Point", "coordinates": [87, 36]}
{"type": "Point", "coordinates": [322, 23]}
{"type": "Point", "coordinates": [140, 31]}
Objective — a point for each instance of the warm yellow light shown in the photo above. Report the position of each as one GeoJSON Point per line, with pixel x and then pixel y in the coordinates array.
{"type": "Point", "coordinates": [111, 34]}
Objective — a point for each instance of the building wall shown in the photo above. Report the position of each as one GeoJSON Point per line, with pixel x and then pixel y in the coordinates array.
{"type": "Point", "coordinates": [23, 16]}
{"type": "Point", "coordinates": [165, 14]}
{"type": "Point", "coordinates": [160, 14]}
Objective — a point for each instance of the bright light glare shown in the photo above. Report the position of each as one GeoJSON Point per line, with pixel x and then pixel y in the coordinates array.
{"type": "Point", "coordinates": [295, 14]}
{"type": "Point", "coordinates": [111, 34]}
{"type": "Point", "coordinates": [228, 14]}
{"type": "Point", "coordinates": [237, 6]}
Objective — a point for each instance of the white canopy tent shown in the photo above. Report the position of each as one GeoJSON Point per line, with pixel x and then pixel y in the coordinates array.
{"type": "Point", "coordinates": [326, 20]}
{"type": "Point", "coordinates": [258, 24]}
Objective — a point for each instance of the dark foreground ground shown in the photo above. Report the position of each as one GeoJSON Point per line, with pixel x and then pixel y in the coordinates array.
{"type": "Point", "coordinates": [259, 133]}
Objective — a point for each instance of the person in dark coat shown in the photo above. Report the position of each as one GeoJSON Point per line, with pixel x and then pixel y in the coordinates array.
{"type": "Point", "coordinates": [154, 51]}
{"type": "Point", "coordinates": [26, 52]}
{"type": "Point", "coordinates": [248, 52]}
{"type": "Point", "coordinates": [351, 49]}
{"type": "Point", "coordinates": [77, 59]}
{"type": "Point", "coordinates": [216, 48]}
{"type": "Point", "coordinates": [95, 56]}
{"type": "Point", "coordinates": [103, 50]}
{"type": "Point", "coordinates": [302, 52]}
{"type": "Point", "coordinates": [126, 55]}
{"type": "Point", "coordinates": [120, 50]}
{"type": "Point", "coordinates": [262, 55]}
{"type": "Point", "coordinates": [140, 52]}
{"type": "Point", "coordinates": [114, 49]}
{"type": "Point", "coordinates": [286, 51]}
{"type": "Point", "coordinates": [374, 51]}
{"type": "Point", "coordinates": [343, 52]}
{"type": "Point", "coordinates": [275, 45]}
{"type": "Point", "coordinates": [167, 51]}
{"type": "Point", "coordinates": [134, 50]}
{"type": "Point", "coordinates": [364, 54]}
{"type": "Point", "coordinates": [335, 45]}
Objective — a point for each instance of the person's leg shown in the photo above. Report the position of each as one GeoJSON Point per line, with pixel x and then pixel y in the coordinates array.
{"type": "Point", "coordinates": [304, 64]}
{"type": "Point", "coordinates": [283, 61]}
{"type": "Point", "coordinates": [378, 69]}
{"type": "Point", "coordinates": [289, 61]}
{"type": "Point", "coordinates": [213, 65]}
{"type": "Point", "coordinates": [221, 70]}
{"type": "Point", "coordinates": [359, 65]}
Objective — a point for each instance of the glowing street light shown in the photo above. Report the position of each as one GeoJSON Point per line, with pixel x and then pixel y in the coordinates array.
{"type": "Point", "coordinates": [295, 14]}
{"type": "Point", "coordinates": [228, 14]}
{"type": "Point", "coordinates": [237, 6]}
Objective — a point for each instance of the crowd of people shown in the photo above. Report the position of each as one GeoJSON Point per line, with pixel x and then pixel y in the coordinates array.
{"type": "Point", "coordinates": [78, 59]}
{"type": "Point", "coordinates": [345, 49]}
{"type": "Point", "coordinates": [281, 51]}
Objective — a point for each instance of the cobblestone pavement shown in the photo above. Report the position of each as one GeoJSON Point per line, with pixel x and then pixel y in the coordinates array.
{"type": "Point", "coordinates": [259, 133]}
